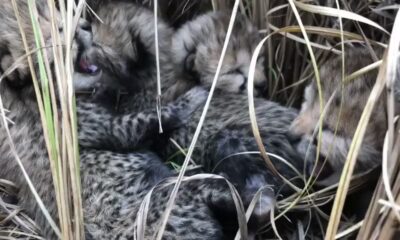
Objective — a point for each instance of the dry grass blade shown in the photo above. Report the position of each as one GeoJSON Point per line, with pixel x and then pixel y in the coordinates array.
{"type": "Point", "coordinates": [388, 167]}
{"type": "Point", "coordinates": [353, 152]}
{"type": "Point", "coordinates": [385, 203]}
{"type": "Point", "coordinates": [251, 206]}
{"type": "Point", "coordinates": [252, 112]}
{"type": "Point", "coordinates": [253, 118]}
{"type": "Point", "coordinates": [255, 127]}
{"type": "Point", "coordinates": [197, 132]}
{"type": "Point", "coordinates": [387, 176]}
{"type": "Point", "coordinates": [59, 127]}
{"type": "Point", "coordinates": [301, 40]}
{"type": "Point", "coordinates": [362, 71]}
{"type": "Point", "coordinates": [272, 220]}
{"type": "Point", "coordinates": [63, 131]}
{"type": "Point", "coordinates": [181, 150]}
{"type": "Point", "coordinates": [157, 65]}
{"type": "Point", "coordinates": [141, 218]}
{"type": "Point", "coordinates": [387, 224]}
{"type": "Point", "coordinates": [372, 215]}
{"type": "Point", "coordinates": [379, 219]}
{"type": "Point", "coordinates": [40, 104]}
{"type": "Point", "coordinates": [71, 132]}
{"type": "Point", "coordinates": [316, 71]}
{"type": "Point", "coordinates": [279, 158]}
{"type": "Point", "coordinates": [49, 123]}
{"type": "Point", "coordinates": [221, 4]}
{"type": "Point", "coordinates": [11, 214]}
{"type": "Point", "coordinates": [327, 11]}
{"type": "Point", "coordinates": [349, 231]}
{"type": "Point", "coordinates": [326, 32]}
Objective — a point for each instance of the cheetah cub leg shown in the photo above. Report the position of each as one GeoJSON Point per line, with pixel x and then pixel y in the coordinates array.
{"type": "Point", "coordinates": [99, 128]}
{"type": "Point", "coordinates": [250, 177]}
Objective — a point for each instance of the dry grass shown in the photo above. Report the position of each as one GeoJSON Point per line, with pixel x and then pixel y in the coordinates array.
{"type": "Point", "coordinates": [299, 37]}
{"type": "Point", "coordinates": [58, 119]}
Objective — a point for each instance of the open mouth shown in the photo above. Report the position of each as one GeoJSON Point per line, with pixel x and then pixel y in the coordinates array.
{"type": "Point", "coordinates": [84, 66]}
{"type": "Point", "coordinates": [87, 74]}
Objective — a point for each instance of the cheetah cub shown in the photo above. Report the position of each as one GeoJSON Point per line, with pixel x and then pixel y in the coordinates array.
{"type": "Point", "coordinates": [197, 46]}
{"type": "Point", "coordinates": [127, 55]}
{"type": "Point", "coordinates": [226, 136]}
{"type": "Point", "coordinates": [227, 129]}
{"type": "Point", "coordinates": [115, 176]}
{"type": "Point", "coordinates": [344, 109]}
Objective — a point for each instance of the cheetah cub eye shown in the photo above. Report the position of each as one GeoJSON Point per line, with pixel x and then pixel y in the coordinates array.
{"type": "Point", "coordinates": [197, 47]}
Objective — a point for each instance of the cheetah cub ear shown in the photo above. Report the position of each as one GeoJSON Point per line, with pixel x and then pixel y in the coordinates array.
{"type": "Point", "coordinates": [196, 50]}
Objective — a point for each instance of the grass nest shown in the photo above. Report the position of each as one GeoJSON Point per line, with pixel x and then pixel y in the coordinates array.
{"type": "Point", "coordinates": [364, 206]}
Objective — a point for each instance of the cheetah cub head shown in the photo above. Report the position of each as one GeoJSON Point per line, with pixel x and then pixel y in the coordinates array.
{"type": "Point", "coordinates": [12, 51]}
{"type": "Point", "coordinates": [343, 109]}
{"type": "Point", "coordinates": [197, 46]}
{"type": "Point", "coordinates": [124, 46]}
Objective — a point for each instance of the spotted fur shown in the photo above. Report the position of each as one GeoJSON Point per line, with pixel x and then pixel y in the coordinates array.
{"type": "Point", "coordinates": [112, 204]}
{"type": "Point", "coordinates": [113, 183]}
{"type": "Point", "coordinates": [226, 136]}
{"type": "Point", "coordinates": [197, 46]}
{"type": "Point", "coordinates": [227, 130]}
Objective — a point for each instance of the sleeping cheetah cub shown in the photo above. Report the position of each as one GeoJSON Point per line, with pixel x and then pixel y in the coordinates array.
{"type": "Point", "coordinates": [344, 112]}
{"type": "Point", "coordinates": [196, 50]}
{"type": "Point", "coordinates": [227, 129]}
{"type": "Point", "coordinates": [115, 178]}
{"type": "Point", "coordinates": [226, 137]}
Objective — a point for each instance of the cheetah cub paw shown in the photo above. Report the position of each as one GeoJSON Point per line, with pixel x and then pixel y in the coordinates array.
{"type": "Point", "coordinates": [190, 102]}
